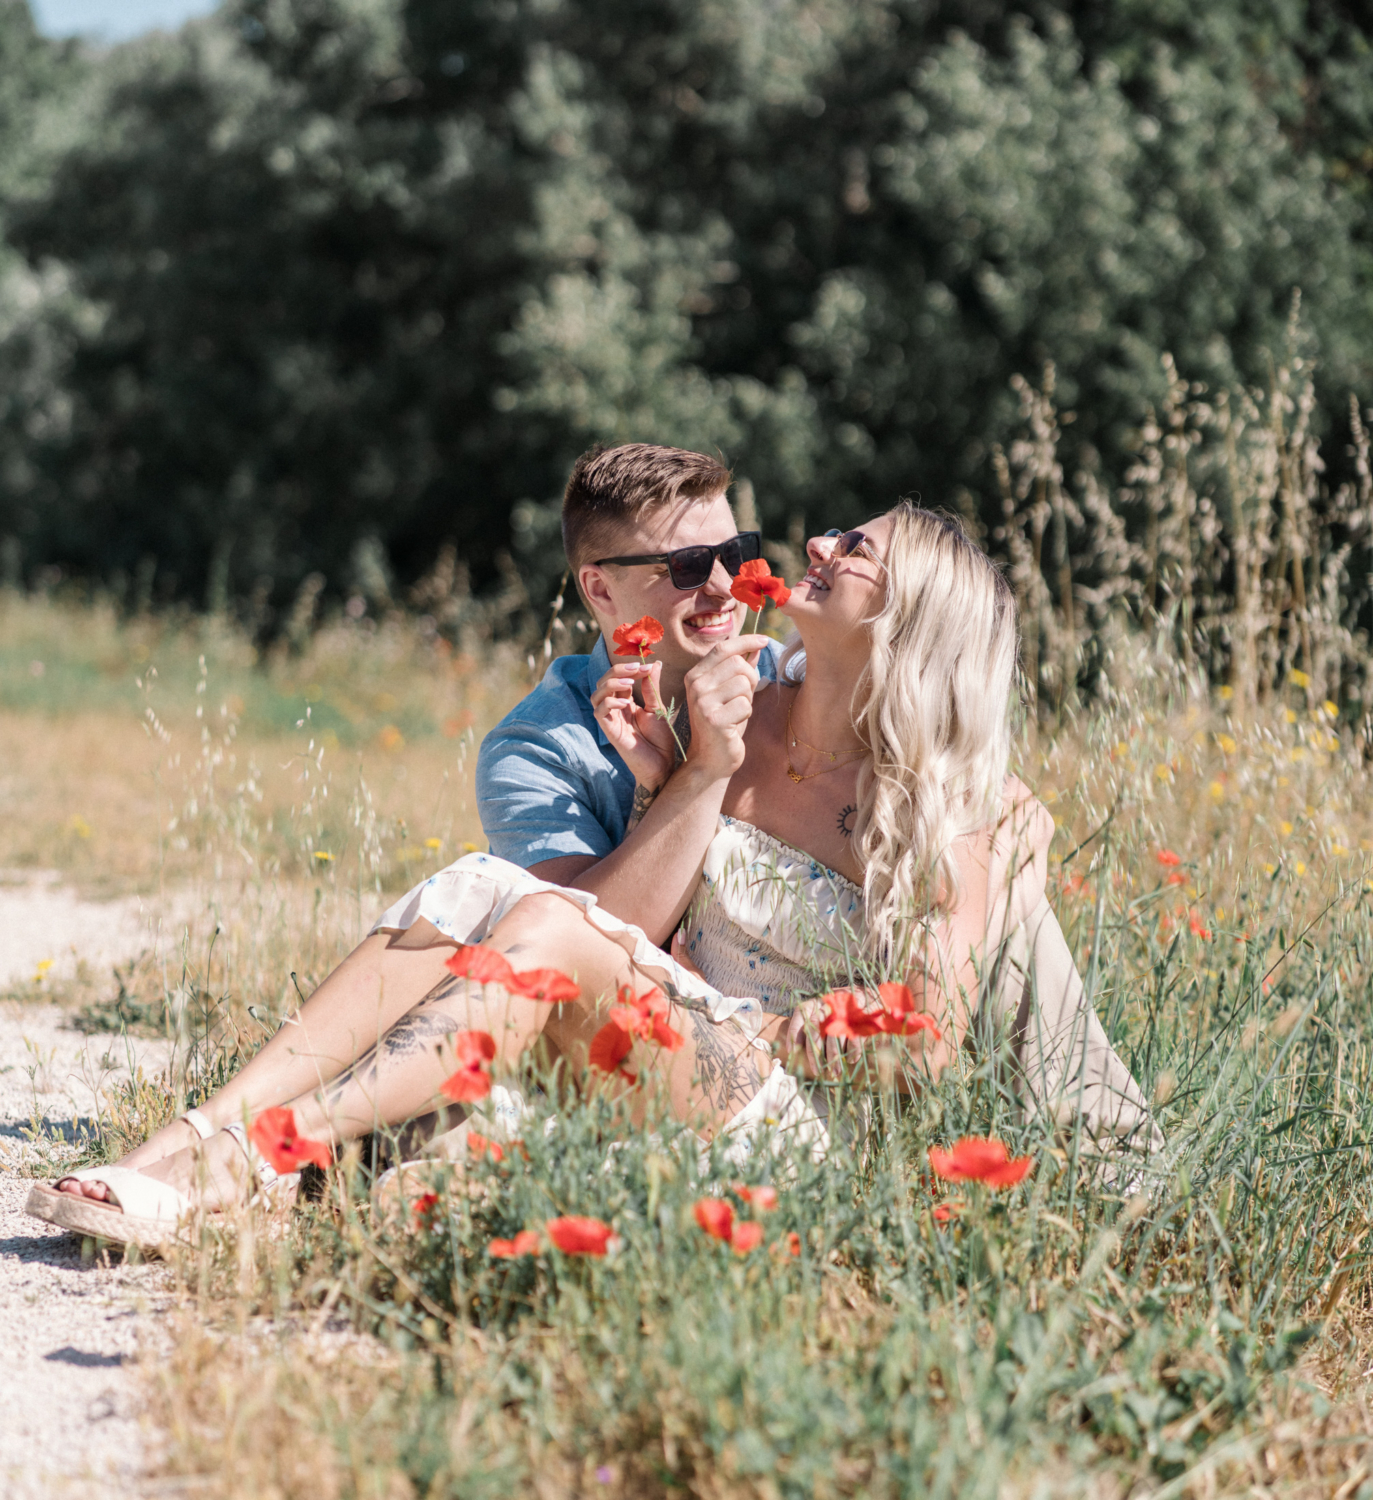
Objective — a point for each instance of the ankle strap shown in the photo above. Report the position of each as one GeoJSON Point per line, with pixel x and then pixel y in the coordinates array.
{"type": "Point", "coordinates": [197, 1121]}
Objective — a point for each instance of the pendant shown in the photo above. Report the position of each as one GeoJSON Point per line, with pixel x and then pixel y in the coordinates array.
{"type": "Point", "coordinates": [797, 779]}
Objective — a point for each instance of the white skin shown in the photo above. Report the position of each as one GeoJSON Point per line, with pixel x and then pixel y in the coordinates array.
{"type": "Point", "coordinates": [701, 660]}
{"type": "Point", "coordinates": [740, 771]}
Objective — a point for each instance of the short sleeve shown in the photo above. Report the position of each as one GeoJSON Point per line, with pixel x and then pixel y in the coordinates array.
{"type": "Point", "coordinates": [534, 800]}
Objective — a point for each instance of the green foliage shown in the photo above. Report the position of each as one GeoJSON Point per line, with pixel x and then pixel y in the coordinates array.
{"type": "Point", "coordinates": [319, 271]}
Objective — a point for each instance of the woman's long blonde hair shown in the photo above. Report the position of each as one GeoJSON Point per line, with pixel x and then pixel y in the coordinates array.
{"type": "Point", "coordinates": [933, 707]}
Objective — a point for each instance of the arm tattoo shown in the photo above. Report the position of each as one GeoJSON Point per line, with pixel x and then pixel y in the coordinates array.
{"type": "Point", "coordinates": [682, 724]}
{"type": "Point", "coordinates": [726, 1079]}
{"type": "Point", "coordinates": [846, 818]}
{"type": "Point", "coordinates": [643, 800]}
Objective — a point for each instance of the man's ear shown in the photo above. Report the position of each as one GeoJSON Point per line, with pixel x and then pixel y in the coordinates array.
{"type": "Point", "coordinates": [595, 589]}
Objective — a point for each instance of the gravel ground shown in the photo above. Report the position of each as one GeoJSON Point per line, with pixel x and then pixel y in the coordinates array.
{"type": "Point", "coordinates": [69, 1331]}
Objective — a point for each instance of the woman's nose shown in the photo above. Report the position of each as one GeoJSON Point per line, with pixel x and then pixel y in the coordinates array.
{"type": "Point", "coordinates": [818, 548]}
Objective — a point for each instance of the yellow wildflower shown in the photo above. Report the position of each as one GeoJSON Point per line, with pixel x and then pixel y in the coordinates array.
{"type": "Point", "coordinates": [1226, 743]}
{"type": "Point", "coordinates": [1284, 828]}
{"type": "Point", "coordinates": [1225, 693]}
{"type": "Point", "coordinates": [1163, 771]}
{"type": "Point", "coordinates": [323, 856]}
{"type": "Point", "coordinates": [1298, 679]}
{"type": "Point", "coordinates": [1291, 717]}
{"type": "Point", "coordinates": [434, 844]}
{"type": "Point", "coordinates": [1332, 709]}
{"type": "Point", "coordinates": [470, 848]}
{"type": "Point", "coordinates": [1217, 791]}
{"type": "Point", "coordinates": [391, 738]}
{"type": "Point", "coordinates": [79, 826]}
{"type": "Point", "coordinates": [1300, 868]}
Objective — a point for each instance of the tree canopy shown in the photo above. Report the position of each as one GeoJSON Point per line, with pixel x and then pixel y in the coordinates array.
{"type": "Point", "coordinates": [314, 271]}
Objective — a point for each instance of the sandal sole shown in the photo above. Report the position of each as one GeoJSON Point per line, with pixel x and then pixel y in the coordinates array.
{"type": "Point", "coordinates": [84, 1215]}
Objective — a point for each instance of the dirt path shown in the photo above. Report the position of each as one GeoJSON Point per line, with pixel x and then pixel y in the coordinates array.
{"type": "Point", "coordinates": [69, 1330]}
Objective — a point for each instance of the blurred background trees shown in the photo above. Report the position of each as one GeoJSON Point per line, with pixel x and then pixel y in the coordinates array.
{"type": "Point", "coordinates": [318, 286]}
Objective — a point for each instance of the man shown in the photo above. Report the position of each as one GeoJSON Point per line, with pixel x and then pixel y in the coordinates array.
{"type": "Point", "coordinates": [648, 531]}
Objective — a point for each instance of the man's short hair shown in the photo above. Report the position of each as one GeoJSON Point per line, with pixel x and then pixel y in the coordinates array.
{"type": "Point", "coordinates": [613, 487]}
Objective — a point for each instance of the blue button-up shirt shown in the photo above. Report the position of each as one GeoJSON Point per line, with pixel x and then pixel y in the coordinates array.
{"type": "Point", "coordinates": [549, 783]}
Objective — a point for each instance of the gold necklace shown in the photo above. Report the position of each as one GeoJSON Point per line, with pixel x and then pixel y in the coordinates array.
{"type": "Point", "coordinates": [834, 755]}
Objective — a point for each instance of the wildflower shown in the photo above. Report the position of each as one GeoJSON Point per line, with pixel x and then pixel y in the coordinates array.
{"type": "Point", "coordinates": [79, 826]}
{"type": "Point", "coordinates": [755, 584]}
{"type": "Point", "coordinates": [44, 964]}
{"type": "Point", "coordinates": [1168, 858]}
{"type": "Point", "coordinates": [1226, 743]}
{"type": "Point", "coordinates": [1217, 791]}
{"type": "Point", "coordinates": [575, 1235]}
{"type": "Point", "coordinates": [716, 1217]}
{"type": "Point", "coordinates": [1072, 884]}
{"type": "Point", "coordinates": [762, 1199]}
{"type": "Point", "coordinates": [486, 966]}
{"type": "Point", "coordinates": [1176, 878]}
{"type": "Point", "coordinates": [1290, 716]}
{"type": "Point", "coordinates": [637, 639]}
{"type": "Point", "coordinates": [391, 738]}
{"type": "Point", "coordinates": [945, 1213]}
{"type": "Point", "coordinates": [1331, 708]}
{"type": "Point", "coordinates": [324, 857]}
{"type": "Point", "coordinates": [274, 1135]}
{"type": "Point", "coordinates": [793, 1243]}
{"type": "Point", "coordinates": [609, 1048]}
{"type": "Point", "coordinates": [1163, 771]}
{"type": "Point", "coordinates": [1298, 679]}
{"type": "Point", "coordinates": [475, 1051]}
{"type": "Point", "coordinates": [1300, 867]}
{"type": "Point", "coordinates": [433, 844]}
{"type": "Point", "coordinates": [980, 1159]}
{"type": "Point", "coordinates": [526, 1242]}
{"type": "Point", "coordinates": [1225, 694]}
{"type": "Point", "coordinates": [746, 1237]}
{"type": "Point", "coordinates": [644, 1017]}
{"type": "Point", "coordinates": [470, 848]}
{"type": "Point", "coordinates": [1197, 927]}
{"type": "Point", "coordinates": [478, 1146]}
{"type": "Point", "coordinates": [895, 1016]}
{"type": "Point", "coordinates": [425, 1205]}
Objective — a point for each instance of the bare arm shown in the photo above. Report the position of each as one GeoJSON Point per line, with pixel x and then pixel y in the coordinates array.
{"type": "Point", "coordinates": [650, 878]}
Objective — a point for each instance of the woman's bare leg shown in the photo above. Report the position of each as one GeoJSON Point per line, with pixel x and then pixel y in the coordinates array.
{"type": "Point", "coordinates": [360, 1001]}
{"type": "Point", "coordinates": [713, 1075]}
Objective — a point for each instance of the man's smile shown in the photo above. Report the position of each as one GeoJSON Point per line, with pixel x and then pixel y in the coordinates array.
{"type": "Point", "coordinates": [713, 622]}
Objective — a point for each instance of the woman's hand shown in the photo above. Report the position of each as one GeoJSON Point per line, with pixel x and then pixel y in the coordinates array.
{"type": "Point", "coordinates": [640, 732]}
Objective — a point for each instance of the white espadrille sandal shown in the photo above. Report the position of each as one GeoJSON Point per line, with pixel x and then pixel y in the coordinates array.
{"type": "Point", "coordinates": [140, 1210]}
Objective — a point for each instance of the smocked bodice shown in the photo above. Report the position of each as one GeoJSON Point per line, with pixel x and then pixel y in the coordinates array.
{"type": "Point", "coordinates": [769, 921]}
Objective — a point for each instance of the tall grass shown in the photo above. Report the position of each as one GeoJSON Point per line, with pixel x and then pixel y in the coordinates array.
{"type": "Point", "coordinates": [1198, 1326]}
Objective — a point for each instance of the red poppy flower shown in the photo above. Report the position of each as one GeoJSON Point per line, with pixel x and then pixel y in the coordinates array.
{"type": "Point", "coordinates": [549, 985]}
{"type": "Point", "coordinates": [716, 1217]}
{"type": "Point", "coordinates": [609, 1048]}
{"type": "Point", "coordinates": [645, 1017]}
{"type": "Point", "coordinates": [793, 1243]}
{"type": "Point", "coordinates": [486, 966]}
{"type": "Point", "coordinates": [637, 639]}
{"type": "Point", "coordinates": [424, 1207]}
{"type": "Point", "coordinates": [947, 1211]}
{"type": "Point", "coordinates": [478, 1146]}
{"type": "Point", "coordinates": [755, 584]}
{"type": "Point", "coordinates": [763, 1199]}
{"type": "Point", "coordinates": [980, 1159]}
{"type": "Point", "coordinates": [274, 1135]}
{"type": "Point", "coordinates": [896, 1016]}
{"type": "Point", "coordinates": [481, 965]}
{"type": "Point", "coordinates": [526, 1242]}
{"type": "Point", "coordinates": [1176, 878]}
{"type": "Point", "coordinates": [575, 1235]}
{"type": "Point", "coordinates": [475, 1050]}
{"type": "Point", "coordinates": [1199, 929]}
{"type": "Point", "coordinates": [1167, 857]}
{"type": "Point", "coordinates": [747, 1236]}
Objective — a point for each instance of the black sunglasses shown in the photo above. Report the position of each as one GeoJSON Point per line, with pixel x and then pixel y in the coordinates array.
{"type": "Point", "coordinates": [849, 543]}
{"type": "Point", "coordinates": [689, 567]}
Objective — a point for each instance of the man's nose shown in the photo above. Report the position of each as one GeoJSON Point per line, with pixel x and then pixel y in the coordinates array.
{"type": "Point", "coordinates": [719, 582]}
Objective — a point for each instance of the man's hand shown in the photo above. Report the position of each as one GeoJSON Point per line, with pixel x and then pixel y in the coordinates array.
{"type": "Point", "coordinates": [641, 733]}
{"type": "Point", "coordinates": [720, 689]}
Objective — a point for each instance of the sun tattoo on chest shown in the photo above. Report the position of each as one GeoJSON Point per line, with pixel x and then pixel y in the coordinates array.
{"type": "Point", "coordinates": [846, 818]}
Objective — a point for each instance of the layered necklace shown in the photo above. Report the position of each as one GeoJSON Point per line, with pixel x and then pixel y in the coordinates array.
{"type": "Point", "coordinates": [836, 758]}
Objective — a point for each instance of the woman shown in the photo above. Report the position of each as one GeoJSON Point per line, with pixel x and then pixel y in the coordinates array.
{"type": "Point", "coordinates": [869, 832]}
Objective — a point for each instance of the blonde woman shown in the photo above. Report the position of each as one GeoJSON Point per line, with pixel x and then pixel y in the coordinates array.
{"type": "Point", "coordinates": [863, 828]}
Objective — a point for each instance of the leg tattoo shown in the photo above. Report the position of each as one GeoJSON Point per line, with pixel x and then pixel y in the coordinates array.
{"type": "Point", "coordinates": [726, 1079]}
